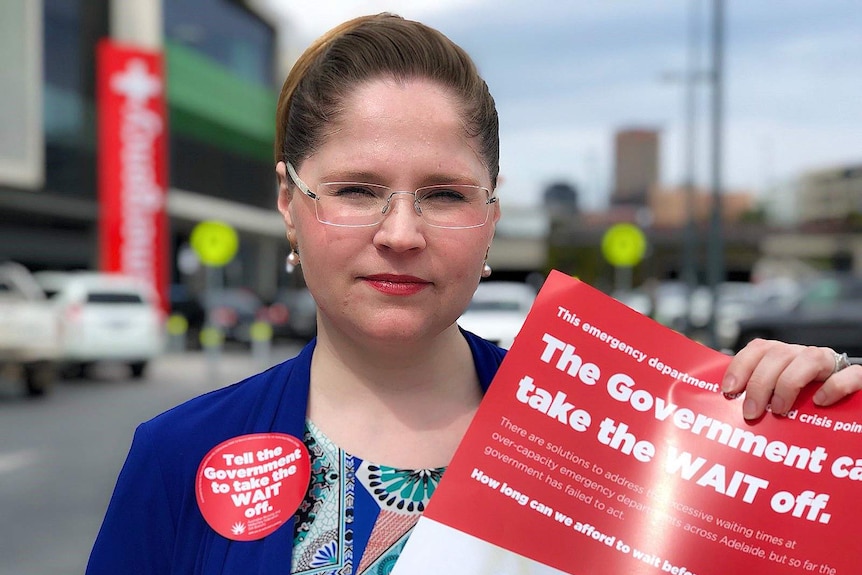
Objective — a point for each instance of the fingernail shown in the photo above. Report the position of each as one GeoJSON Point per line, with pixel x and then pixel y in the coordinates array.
{"type": "Point", "coordinates": [819, 397]}
{"type": "Point", "coordinates": [728, 384]}
{"type": "Point", "coordinates": [749, 409]}
{"type": "Point", "coordinates": [777, 405]}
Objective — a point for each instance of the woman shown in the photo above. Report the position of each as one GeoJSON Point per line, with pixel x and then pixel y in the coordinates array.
{"type": "Point", "coordinates": [387, 159]}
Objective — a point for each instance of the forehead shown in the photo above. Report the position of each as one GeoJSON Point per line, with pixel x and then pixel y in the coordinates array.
{"type": "Point", "coordinates": [401, 124]}
{"type": "Point", "coordinates": [383, 93]}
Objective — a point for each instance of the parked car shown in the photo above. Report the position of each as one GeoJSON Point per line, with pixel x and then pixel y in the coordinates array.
{"type": "Point", "coordinates": [777, 294]}
{"type": "Point", "coordinates": [498, 310]}
{"type": "Point", "coordinates": [670, 304]}
{"type": "Point", "coordinates": [234, 311]}
{"type": "Point", "coordinates": [828, 313]}
{"type": "Point", "coordinates": [104, 318]}
{"type": "Point", "coordinates": [298, 311]}
{"type": "Point", "coordinates": [667, 301]}
{"type": "Point", "coordinates": [29, 331]}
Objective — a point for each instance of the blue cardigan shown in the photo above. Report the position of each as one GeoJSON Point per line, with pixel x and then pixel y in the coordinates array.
{"type": "Point", "coordinates": [153, 524]}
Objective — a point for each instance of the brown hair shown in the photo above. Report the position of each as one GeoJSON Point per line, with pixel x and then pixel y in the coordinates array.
{"type": "Point", "coordinates": [366, 48]}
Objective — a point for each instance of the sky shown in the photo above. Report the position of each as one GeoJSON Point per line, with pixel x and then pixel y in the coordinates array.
{"type": "Point", "coordinates": [567, 75]}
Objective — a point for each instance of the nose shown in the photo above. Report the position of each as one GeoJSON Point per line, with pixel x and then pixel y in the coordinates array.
{"type": "Point", "coordinates": [411, 195]}
{"type": "Point", "coordinates": [402, 227]}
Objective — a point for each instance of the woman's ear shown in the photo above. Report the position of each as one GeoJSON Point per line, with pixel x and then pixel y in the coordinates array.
{"type": "Point", "coordinates": [285, 195]}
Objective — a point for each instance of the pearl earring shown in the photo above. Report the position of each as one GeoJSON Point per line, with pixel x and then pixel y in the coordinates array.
{"type": "Point", "coordinates": [486, 270]}
{"type": "Point", "coordinates": [292, 261]}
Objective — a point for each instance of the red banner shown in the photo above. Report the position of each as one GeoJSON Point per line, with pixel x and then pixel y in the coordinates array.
{"type": "Point", "coordinates": [605, 446]}
{"type": "Point", "coordinates": [133, 180]}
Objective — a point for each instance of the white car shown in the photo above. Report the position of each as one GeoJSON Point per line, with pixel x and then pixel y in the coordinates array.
{"type": "Point", "coordinates": [498, 310]}
{"type": "Point", "coordinates": [104, 318]}
{"type": "Point", "coordinates": [29, 330]}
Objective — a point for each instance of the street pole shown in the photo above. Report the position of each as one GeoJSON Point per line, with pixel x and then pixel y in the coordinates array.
{"type": "Point", "coordinates": [690, 239]}
{"type": "Point", "coordinates": [716, 242]}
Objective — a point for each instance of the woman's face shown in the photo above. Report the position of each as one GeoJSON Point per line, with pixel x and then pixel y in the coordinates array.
{"type": "Point", "coordinates": [400, 280]}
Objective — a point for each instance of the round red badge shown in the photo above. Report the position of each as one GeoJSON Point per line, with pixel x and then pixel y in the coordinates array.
{"type": "Point", "coordinates": [248, 486]}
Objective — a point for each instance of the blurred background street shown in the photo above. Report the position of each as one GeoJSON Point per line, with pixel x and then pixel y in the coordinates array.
{"type": "Point", "coordinates": [720, 133]}
{"type": "Point", "coordinates": [59, 456]}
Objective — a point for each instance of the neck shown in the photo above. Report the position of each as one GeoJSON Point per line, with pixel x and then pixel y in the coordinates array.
{"type": "Point", "coordinates": [395, 368]}
{"type": "Point", "coordinates": [402, 405]}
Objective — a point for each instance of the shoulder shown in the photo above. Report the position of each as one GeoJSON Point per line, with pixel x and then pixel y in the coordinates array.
{"type": "Point", "coordinates": [487, 357]}
{"type": "Point", "coordinates": [222, 404]}
{"type": "Point", "coordinates": [259, 403]}
{"type": "Point", "coordinates": [484, 349]}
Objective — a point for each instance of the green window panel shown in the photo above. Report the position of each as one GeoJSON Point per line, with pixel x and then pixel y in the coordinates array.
{"type": "Point", "coordinates": [212, 105]}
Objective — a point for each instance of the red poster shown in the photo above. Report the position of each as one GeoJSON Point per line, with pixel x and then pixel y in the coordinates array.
{"type": "Point", "coordinates": [132, 163]}
{"type": "Point", "coordinates": [604, 446]}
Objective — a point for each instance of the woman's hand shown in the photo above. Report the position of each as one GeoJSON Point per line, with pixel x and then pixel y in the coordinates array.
{"type": "Point", "coordinates": [772, 373]}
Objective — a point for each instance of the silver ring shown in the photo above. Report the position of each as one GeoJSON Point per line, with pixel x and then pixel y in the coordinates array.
{"type": "Point", "coordinates": [841, 361]}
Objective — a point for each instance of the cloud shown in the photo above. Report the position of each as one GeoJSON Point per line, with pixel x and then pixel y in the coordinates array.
{"type": "Point", "coordinates": [308, 21]}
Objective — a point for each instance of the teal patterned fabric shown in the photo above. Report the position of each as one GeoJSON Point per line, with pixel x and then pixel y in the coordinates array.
{"type": "Point", "coordinates": [356, 516]}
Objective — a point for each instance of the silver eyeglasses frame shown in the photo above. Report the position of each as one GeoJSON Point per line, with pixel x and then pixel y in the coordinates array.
{"type": "Point", "coordinates": [303, 187]}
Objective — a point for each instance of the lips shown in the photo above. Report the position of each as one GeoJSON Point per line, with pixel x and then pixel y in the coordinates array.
{"type": "Point", "coordinates": [392, 284]}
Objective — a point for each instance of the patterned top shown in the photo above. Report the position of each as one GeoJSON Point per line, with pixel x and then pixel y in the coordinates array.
{"type": "Point", "coordinates": [356, 516]}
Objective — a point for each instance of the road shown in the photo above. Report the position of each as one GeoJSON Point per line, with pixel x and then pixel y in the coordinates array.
{"type": "Point", "coordinates": [60, 454]}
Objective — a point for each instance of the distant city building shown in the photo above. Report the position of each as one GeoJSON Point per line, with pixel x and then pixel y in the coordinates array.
{"type": "Point", "coordinates": [830, 194]}
{"type": "Point", "coordinates": [669, 206]}
{"type": "Point", "coordinates": [780, 203]}
{"type": "Point", "coordinates": [636, 165]}
{"type": "Point", "coordinates": [561, 199]}
{"type": "Point", "coordinates": [520, 242]}
{"type": "Point", "coordinates": [819, 211]}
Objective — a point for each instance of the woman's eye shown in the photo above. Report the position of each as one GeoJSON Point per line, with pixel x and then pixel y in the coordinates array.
{"type": "Point", "coordinates": [443, 194]}
{"type": "Point", "coordinates": [355, 190]}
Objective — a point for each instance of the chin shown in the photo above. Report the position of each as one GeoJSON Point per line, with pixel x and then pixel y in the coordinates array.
{"type": "Point", "coordinates": [400, 328]}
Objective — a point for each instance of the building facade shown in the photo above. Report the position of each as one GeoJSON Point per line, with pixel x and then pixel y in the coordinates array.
{"type": "Point", "coordinates": [220, 89]}
{"type": "Point", "coordinates": [636, 165]}
{"type": "Point", "coordinates": [833, 194]}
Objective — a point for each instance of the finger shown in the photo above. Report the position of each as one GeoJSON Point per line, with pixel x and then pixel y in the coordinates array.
{"type": "Point", "coordinates": [809, 364]}
{"type": "Point", "coordinates": [773, 359]}
{"type": "Point", "coordinates": [839, 385]}
{"type": "Point", "coordinates": [742, 365]}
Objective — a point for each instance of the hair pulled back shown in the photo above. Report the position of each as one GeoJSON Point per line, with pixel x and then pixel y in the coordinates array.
{"type": "Point", "coordinates": [369, 47]}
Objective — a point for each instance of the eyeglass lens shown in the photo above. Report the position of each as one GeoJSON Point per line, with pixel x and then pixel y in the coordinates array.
{"type": "Point", "coordinates": [360, 204]}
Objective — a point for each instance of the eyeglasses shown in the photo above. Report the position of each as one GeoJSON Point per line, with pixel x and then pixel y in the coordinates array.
{"type": "Point", "coordinates": [356, 205]}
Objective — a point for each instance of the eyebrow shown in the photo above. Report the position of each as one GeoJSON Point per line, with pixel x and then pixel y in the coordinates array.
{"type": "Point", "coordinates": [351, 176]}
{"type": "Point", "coordinates": [365, 177]}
